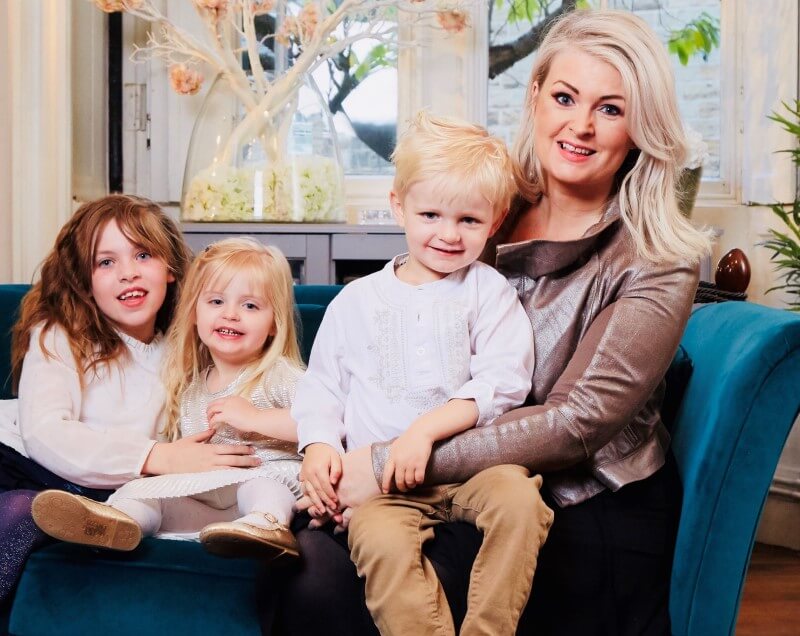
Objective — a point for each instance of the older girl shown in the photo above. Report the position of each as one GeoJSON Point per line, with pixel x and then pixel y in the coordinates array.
{"type": "Point", "coordinates": [86, 358]}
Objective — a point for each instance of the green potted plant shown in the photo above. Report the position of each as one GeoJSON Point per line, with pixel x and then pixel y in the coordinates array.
{"type": "Point", "coordinates": [785, 245]}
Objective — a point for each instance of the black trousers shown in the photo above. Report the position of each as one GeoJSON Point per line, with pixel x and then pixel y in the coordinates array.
{"type": "Point", "coordinates": [604, 570]}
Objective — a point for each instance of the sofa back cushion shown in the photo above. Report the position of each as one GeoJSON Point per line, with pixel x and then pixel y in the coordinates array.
{"type": "Point", "coordinates": [10, 298]}
{"type": "Point", "coordinates": [311, 302]}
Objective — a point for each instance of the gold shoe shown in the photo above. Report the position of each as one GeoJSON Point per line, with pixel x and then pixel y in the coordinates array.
{"type": "Point", "coordinates": [80, 520]}
{"type": "Point", "coordinates": [275, 543]}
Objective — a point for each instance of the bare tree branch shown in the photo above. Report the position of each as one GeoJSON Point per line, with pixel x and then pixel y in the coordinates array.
{"type": "Point", "coordinates": [347, 85]}
{"type": "Point", "coordinates": [503, 56]}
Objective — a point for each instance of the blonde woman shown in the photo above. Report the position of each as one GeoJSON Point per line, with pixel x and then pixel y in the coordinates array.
{"type": "Point", "coordinates": [232, 365]}
{"type": "Point", "coordinates": [607, 269]}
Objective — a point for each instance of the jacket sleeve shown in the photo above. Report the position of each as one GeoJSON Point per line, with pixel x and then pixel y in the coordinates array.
{"type": "Point", "coordinates": [50, 402]}
{"type": "Point", "coordinates": [614, 370]}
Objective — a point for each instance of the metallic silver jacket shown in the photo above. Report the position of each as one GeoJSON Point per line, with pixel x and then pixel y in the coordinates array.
{"type": "Point", "coordinates": [606, 324]}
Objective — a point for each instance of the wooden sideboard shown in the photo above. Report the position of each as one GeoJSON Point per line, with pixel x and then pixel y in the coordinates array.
{"type": "Point", "coordinates": [320, 254]}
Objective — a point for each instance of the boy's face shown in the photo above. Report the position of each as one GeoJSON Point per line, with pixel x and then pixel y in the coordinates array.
{"type": "Point", "coordinates": [444, 233]}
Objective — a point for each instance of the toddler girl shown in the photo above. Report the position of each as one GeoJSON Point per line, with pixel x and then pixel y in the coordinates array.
{"type": "Point", "coordinates": [232, 365]}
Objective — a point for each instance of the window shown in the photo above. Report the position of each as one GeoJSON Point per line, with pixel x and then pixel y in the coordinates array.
{"type": "Point", "coordinates": [455, 81]}
{"type": "Point", "coordinates": [362, 76]}
{"type": "Point", "coordinates": [361, 90]}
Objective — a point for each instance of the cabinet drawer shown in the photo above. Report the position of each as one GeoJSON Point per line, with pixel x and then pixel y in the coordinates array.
{"type": "Point", "coordinates": [366, 247]}
{"type": "Point", "coordinates": [292, 245]}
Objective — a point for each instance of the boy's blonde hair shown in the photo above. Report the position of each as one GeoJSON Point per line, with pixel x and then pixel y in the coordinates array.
{"type": "Point", "coordinates": [63, 294]}
{"type": "Point", "coordinates": [456, 154]}
{"type": "Point", "coordinates": [270, 277]}
{"type": "Point", "coordinates": [646, 181]}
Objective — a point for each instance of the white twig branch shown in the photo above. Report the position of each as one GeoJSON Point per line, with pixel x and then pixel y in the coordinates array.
{"type": "Point", "coordinates": [264, 100]}
{"type": "Point", "coordinates": [252, 48]}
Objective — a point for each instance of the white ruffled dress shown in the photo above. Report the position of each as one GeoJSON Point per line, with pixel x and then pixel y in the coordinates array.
{"type": "Point", "coordinates": [279, 459]}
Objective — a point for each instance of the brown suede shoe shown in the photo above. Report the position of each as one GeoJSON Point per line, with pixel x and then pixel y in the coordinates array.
{"type": "Point", "coordinates": [275, 543]}
{"type": "Point", "coordinates": [80, 520]}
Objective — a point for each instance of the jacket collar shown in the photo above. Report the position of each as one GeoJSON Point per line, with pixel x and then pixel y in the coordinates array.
{"type": "Point", "coordinates": [538, 257]}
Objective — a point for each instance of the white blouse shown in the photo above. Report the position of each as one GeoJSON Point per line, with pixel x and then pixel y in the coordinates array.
{"type": "Point", "coordinates": [387, 352]}
{"type": "Point", "coordinates": [98, 436]}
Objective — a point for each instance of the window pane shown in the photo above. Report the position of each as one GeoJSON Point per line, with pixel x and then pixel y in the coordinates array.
{"type": "Point", "coordinates": [698, 83]}
{"type": "Point", "coordinates": [366, 125]}
{"type": "Point", "coordinates": [360, 87]}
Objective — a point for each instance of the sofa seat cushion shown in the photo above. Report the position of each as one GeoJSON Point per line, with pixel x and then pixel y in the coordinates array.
{"type": "Point", "coordinates": [162, 587]}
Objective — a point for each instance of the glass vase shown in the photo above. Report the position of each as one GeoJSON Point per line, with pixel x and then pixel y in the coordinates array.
{"type": "Point", "coordinates": [282, 166]}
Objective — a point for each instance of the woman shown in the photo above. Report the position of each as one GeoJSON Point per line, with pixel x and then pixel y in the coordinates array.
{"type": "Point", "coordinates": [607, 268]}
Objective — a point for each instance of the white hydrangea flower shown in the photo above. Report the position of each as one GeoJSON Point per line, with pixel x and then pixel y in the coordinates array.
{"type": "Point", "coordinates": [308, 188]}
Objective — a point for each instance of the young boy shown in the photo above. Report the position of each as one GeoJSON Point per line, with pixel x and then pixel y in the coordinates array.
{"type": "Point", "coordinates": [432, 345]}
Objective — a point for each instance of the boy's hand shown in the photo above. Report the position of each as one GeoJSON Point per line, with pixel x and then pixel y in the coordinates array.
{"type": "Point", "coordinates": [408, 459]}
{"type": "Point", "coordinates": [322, 468]}
{"type": "Point", "coordinates": [235, 411]}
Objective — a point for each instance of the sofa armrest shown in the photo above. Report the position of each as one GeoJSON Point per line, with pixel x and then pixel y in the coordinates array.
{"type": "Point", "coordinates": [739, 406]}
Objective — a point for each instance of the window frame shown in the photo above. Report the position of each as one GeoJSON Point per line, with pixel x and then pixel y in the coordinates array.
{"type": "Point", "coordinates": [157, 172]}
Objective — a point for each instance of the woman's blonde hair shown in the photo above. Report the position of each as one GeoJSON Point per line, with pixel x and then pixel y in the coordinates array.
{"type": "Point", "coordinates": [454, 153]}
{"type": "Point", "coordinates": [646, 181]}
{"type": "Point", "coordinates": [63, 294]}
{"type": "Point", "coordinates": [267, 271]}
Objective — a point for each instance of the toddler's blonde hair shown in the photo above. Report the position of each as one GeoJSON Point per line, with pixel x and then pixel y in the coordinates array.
{"type": "Point", "coordinates": [457, 155]}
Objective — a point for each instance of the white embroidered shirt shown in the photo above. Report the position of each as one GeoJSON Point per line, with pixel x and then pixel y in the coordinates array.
{"type": "Point", "coordinates": [387, 352]}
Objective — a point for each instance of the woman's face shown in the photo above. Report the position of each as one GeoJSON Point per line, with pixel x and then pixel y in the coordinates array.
{"type": "Point", "coordinates": [581, 134]}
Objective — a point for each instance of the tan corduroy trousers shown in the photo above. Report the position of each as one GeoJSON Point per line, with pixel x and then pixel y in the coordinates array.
{"type": "Point", "coordinates": [403, 592]}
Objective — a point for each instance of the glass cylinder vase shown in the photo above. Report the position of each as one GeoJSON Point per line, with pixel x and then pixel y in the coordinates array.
{"type": "Point", "coordinates": [282, 166]}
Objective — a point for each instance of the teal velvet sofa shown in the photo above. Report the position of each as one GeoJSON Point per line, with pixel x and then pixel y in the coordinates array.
{"type": "Point", "coordinates": [738, 371]}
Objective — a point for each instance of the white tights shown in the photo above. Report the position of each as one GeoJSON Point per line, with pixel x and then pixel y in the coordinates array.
{"type": "Point", "coordinates": [184, 514]}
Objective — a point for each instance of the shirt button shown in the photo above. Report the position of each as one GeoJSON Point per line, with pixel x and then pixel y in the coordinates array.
{"type": "Point", "coordinates": [420, 351]}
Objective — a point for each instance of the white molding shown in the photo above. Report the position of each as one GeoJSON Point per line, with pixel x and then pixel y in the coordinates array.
{"type": "Point", "coordinates": [366, 193]}
{"type": "Point", "coordinates": [476, 68]}
{"type": "Point", "coordinates": [41, 128]}
{"type": "Point", "coordinates": [770, 41]}
{"type": "Point", "coordinates": [787, 476]}
{"type": "Point", "coordinates": [727, 189]}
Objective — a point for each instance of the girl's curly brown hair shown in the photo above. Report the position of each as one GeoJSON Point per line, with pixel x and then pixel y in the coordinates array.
{"type": "Point", "coordinates": [63, 294]}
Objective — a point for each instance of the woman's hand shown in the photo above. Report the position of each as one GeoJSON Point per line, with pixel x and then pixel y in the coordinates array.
{"type": "Point", "coordinates": [193, 455]}
{"type": "Point", "coordinates": [357, 484]}
{"type": "Point", "coordinates": [234, 411]}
